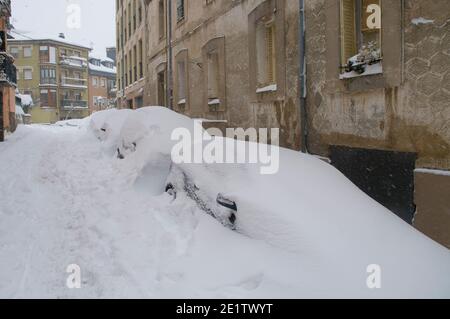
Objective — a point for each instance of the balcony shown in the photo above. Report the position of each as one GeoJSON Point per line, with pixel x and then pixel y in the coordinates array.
{"type": "Point", "coordinates": [48, 81]}
{"type": "Point", "coordinates": [8, 71]}
{"type": "Point", "coordinates": [72, 61]}
{"type": "Point", "coordinates": [74, 83]}
{"type": "Point", "coordinates": [73, 104]}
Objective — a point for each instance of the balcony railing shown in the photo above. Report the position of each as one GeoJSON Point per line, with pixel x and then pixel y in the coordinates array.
{"type": "Point", "coordinates": [70, 104]}
{"type": "Point", "coordinates": [8, 71]}
{"type": "Point", "coordinates": [47, 81]}
{"type": "Point", "coordinates": [73, 82]}
{"type": "Point", "coordinates": [73, 62]}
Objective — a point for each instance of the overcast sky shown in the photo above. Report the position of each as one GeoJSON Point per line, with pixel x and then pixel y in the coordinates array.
{"type": "Point", "coordinates": [50, 17]}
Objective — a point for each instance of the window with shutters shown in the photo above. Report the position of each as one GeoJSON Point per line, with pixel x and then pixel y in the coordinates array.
{"type": "Point", "coordinates": [265, 53]}
{"type": "Point", "coordinates": [213, 76]}
{"type": "Point", "coordinates": [361, 37]}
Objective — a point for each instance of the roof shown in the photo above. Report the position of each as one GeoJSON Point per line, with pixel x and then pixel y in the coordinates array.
{"type": "Point", "coordinates": [34, 36]}
{"type": "Point", "coordinates": [99, 56]}
{"type": "Point", "coordinates": [102, 69]}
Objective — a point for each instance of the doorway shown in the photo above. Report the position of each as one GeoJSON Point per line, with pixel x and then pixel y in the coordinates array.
{"type": "Point", "coordinates": [386, 176]}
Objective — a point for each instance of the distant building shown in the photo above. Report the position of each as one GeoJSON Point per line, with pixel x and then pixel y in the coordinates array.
{"type": "Point", "coordinates": [131, 41]}
{"type": "Point", "coordinates": [7, 74]}
{"type": "Point", "coordinates": [102, 83]}
{"type": "Point", "coordinates": [54, 71]}
{"type": "Point", "coordinates": [111, 53]}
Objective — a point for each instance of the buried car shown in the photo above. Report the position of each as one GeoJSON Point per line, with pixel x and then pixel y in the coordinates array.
{"type": "Point", "coordinates": [307, 208]}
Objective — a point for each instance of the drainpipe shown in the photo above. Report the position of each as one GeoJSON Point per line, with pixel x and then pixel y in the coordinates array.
{"type": "Point", "coordinates": [169, 56]}
{"type": "Point", "coordinates": [302, 78]}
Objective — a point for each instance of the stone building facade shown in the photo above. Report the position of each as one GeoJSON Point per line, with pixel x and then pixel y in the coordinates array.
{"type": "Point", "coordinates": [102, 83]}
{"type": "Point", "coordinates": [399, 116]}
{"type": "Point", "coordinates": [54, 72]}
{"type": "Point", "coordinates": [215, 46]}
{"type": "Point", "coordinates": [385, 125]}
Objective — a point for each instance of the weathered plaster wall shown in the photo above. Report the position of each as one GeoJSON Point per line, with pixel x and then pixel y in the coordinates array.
{"type": "Point", "coordinates": [406, 108]}
{"type": "Point", "coordinates": [230, 19]}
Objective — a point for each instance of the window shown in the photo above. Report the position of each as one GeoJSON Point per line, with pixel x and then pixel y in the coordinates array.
{"type": "Point", "coordinates": [103, 82]}
{"type": "Point", "coordinates": [135, 63]}
{"type": "Point", "coordinates": [27, 74]}
{"type": "Point", "coordinates": [48, 75]}
{"type": "Point", "coordinates": [95, 81]}
{"type": "Point", "coordinates": [265, 52]}
{"type": "Point", "coordinates": [63, 52]}
{"type": "Point", "coordinates": [14, 52]}
{"type": "Point", "coordinates": [141, 68]}
{"type": "Point", "coordinates": [214, 79]}
{"type": "Point", "coordinates": [44, 56]}
{"type": "Point", "coordinates": [162, 19]}
{"type": "Point", "coordinates": [161, 84]}
{"type": "Point", "coordinates": [180, 10]}
{"type": "Point", "coordinates": [181, 71]}
{"type": "Point", "coordinates": [48, 98]}
{"type": "Point", "coordinates": [360, 34]}
{"type": "Point", "coordinates": [27, 52]}
{"type": "Point", "coordinates": [213, 76]}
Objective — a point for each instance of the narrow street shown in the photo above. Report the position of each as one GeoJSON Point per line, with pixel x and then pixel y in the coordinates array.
{"type": "Point", "coordinates": [69, 203]}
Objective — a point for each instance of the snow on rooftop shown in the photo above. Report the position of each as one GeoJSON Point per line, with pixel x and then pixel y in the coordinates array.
{"type": "Point", "coordinates": [20, 35]}
{"type": "Point", "coordinates": [100, 56]}
{"type": "Point", "coordinates": [102, 68]}
{"type": "Point", "coordinates": [26, 99]}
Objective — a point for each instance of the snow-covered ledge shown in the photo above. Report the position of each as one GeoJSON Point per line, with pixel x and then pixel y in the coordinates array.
{"type": "Point", "coordinates": [373, 69]}
{"type": "Point", "coordinates": [266, 89]}
{"type": "Point", "coordinates": [432, 171]}
{"type": "Point", "coordinates": [214, 102]}
{"type": "Point", "coordinates": [182, 102]}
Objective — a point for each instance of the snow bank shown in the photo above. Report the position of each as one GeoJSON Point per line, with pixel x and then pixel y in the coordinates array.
{"type": "Point", "coordinates": [304, 232]}
{"type": "Point", "coordinates": [308, 208]}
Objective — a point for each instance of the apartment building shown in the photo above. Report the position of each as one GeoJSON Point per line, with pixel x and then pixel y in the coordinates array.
{"type": "Point", "coordinates": [131, 20]}
{"type": "Point", "coordinates": [234, 63]}
{"type": "Point", "coordinates": [8, 81]}
{"type": "Point", "coordinates": [54, 71]}
{"type": "Point", "coordinates": [102, 83]}
{"type": "Point", "coordinates": [360, 83]}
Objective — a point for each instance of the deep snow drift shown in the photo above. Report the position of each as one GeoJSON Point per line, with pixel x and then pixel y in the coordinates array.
{"type": "Point", "coordinates": [305, 232]}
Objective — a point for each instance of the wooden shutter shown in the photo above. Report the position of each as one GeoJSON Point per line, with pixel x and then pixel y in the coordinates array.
{"type": "Point", "coordinates": [270, 32]}
{"type": "Point", "coordinates": [348, 30]}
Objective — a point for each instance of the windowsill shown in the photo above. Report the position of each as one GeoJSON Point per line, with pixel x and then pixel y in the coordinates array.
{"type": "Point", "coordinates": [370, 70]}
{"type": "Point", "coordinates": [181, 21]}
{"type": "Point", "coordinates": [214, 102]}
{"type": "Point", "coordinates": [267, 89]}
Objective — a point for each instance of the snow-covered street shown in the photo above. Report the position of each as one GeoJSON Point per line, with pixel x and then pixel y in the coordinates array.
{"type": "Point", "coordinates": [67, 199]}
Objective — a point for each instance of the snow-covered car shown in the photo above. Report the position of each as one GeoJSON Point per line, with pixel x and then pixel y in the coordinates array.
{"type": "Point", "coordinates": [307, 208]}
